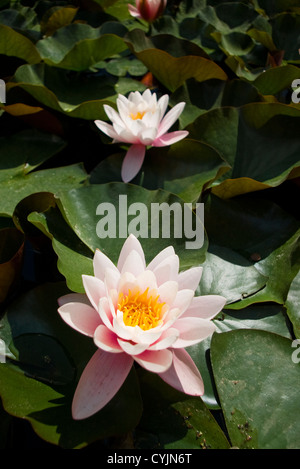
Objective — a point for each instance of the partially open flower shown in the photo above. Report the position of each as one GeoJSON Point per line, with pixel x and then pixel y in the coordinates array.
{"type": "Point", "coordinates": [140, 121]}
{"type": "Point", "coordinates": [142, 313]}
{"type": "Point", "coordinates": [147, 10]}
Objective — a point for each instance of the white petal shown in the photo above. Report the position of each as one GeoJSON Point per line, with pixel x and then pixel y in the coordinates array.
{"type": "Point", "coordinates": [127, 282]}
{"type": "Point", "coordinates": [147, 136]}
{"type": "Point", "coordinates": [167, 269]}
{"type": "Point", "coordinates": [163, 104]}
{"type": "Point", "coordinates": [132, 349]}
{"type": "Point", "coordinates": [133, 264]}
{"type": "Point", "coordinates": [155, 361]}
{"type": "Point", "coordinates": [170, 118]}
{"type": "Point", "coordinates": [107, 129]}
{"type": "Point", "coordinates": [94, 288]}
{"type": "Point", "coordinates": [190, 278]}
{"type": "Point", "coordinates": [183, 299]}
{"type": "Point", "coordinates": [74, 298]}
{"type": "Point", "coordinates": [112, 278]}
{"type": "Point", "coordinates": [192, 331]}
{"type": "Point", "coordinates": [112, 114]}
{"type": "Point", "coordinates": [131, 244]}
{"type": "Point", "coordinates": [122, 331]}
{"type": "Point", "coordinates": [145, 280]}
{"type": "Point", "coordinates": [206, 306]}
{"type": "Point", "coordinates": [160, 257]}
{"type": "Point", "coordinates": [105, 313]}
{"type": "Point", "coordinates": [101, 262]}
{"type": "Point", "coordinates": [168, 291]}
{"type": "Point", "coordinates": [166, 339]}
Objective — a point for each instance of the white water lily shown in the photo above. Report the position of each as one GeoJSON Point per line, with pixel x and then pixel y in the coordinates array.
{"type": "Point", "coordinates": [138, 313]}
{"type": "Point", "coordinates": [141, 122]}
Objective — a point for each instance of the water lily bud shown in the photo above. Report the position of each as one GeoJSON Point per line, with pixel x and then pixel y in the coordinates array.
{"type": "Point", "coordinates": [147, 10]}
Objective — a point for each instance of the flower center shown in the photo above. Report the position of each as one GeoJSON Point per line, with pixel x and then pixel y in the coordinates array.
{"type": "Point", "coordinates": [140, 309]}
{"type": "Point", "coordinates": [137, 115]}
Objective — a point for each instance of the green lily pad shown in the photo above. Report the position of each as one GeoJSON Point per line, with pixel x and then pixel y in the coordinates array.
{"type": "Point", "coordinates": [186, 169]}
{"type": "Point", "coordinates": [171, 71]}
{"type": "Point", "coordinates": [172, 420]}
{"type": "Point", "coordinates": [257, 384]}
{"type": "Point", "coordinates": [242, 136]}
{"type": "Point", "coordinates": [78, 47]}
{"type": "Point", "coordinates": [101, 216]}
{"type": "Point", "coordinates": [14, 44]}
{"type": "Point", "coordinates": [263, 235]}
{"type": "Point", "coordinates": [75, 96]}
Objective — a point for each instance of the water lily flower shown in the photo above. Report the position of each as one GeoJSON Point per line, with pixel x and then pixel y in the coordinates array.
{"type": "Point", "coordinates": [140, 121]}
{"type": "Point", "coordinates": [138, 313]}
{"type": "Point", "coordinates": [147, 10]}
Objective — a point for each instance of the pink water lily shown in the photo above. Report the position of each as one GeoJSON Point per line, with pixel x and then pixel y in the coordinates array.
{"type": "Point", "coordinates": [138, 313]}
{"type": "Point", "coordinates": [147, 10]}
{"type": "Point", "coordinates": [140, 121]}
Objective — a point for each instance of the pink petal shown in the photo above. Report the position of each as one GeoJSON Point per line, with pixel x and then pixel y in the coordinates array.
{"type": "Point", "coordinates": [166, 339]}
{"type": "Point", "coordinates": [155, 361]}
{"type": "Point", "coordinates": [113, 115]}
{"type": "Point", "coordinates": [170, 118]}
{"type": "Point", "coordinates": [94, 289]}
{"type": "Point", "coordinates": [183, 374]}
{"type": "Point", "coordinates": [134, 264]}
{"type": "Point", "coordinates": [206, 306]}
{"type": "Point", "coordinates": [192, 331]}
{"type": "Point", "coordinates": [81, 317]}
{"type": "Point", "coordinates": [163, 104]}
{"type": "Point", "coordinates": [100, 381]}
{"type": "Point", "coordinates": [105, 313]}
{"type": "Point", "coordinates": [133, 162]}
{"type": "Point", "coordinates": [127, 282]}
{"type": "Point", "coordinates": [106, 340]}
{"type": "Point", "coordinates": [170, 138]}
{"type": "Point", "coordinates": [168, 291]}
{"type": "Point", "coordinates": [160, 257]}
{"type": "Point", "coordinates": [74, 298]}
{"type": "Point", "coordinates": [131, 244]}
{"type": "Point", "coordinates": [101, 262]}
{"type": "Point", "coordinates": [112, 278]}
{"type": "Point", "coordinates": [190, 278]}
{"type": "Point", "coordinates": [183, 299]}
{"type": "Point", "coordinates": [132, 349]}
{"type": "Point", "coordinates": [167, 269]}
{"type": "Point", "coordinates": [133, 11]}
{"type": "Point", "coordinates": [107, 129]}
{"type": "Point", "coordinates": [146, 280]}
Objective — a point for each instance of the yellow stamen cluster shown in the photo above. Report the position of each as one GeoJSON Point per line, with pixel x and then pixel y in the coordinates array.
{"type": "Point", "coordinates": [140, 309]}
{"type": "Point", "coordinates": [138, 115]}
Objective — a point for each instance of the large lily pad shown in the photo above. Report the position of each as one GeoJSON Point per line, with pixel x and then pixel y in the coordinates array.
{"type": "Point", "coordinates": [258, 140]}
{"type": "Point", "coordinates": [257, 384]}
{"type": "Point", "coordinates": [78, 47]}
{"type": "Point", "coordinates": [171, 71]}
{"type": "Point", "coordinates": [75, 96]}
{"type": "Point", "coordinates": [102, 215]}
